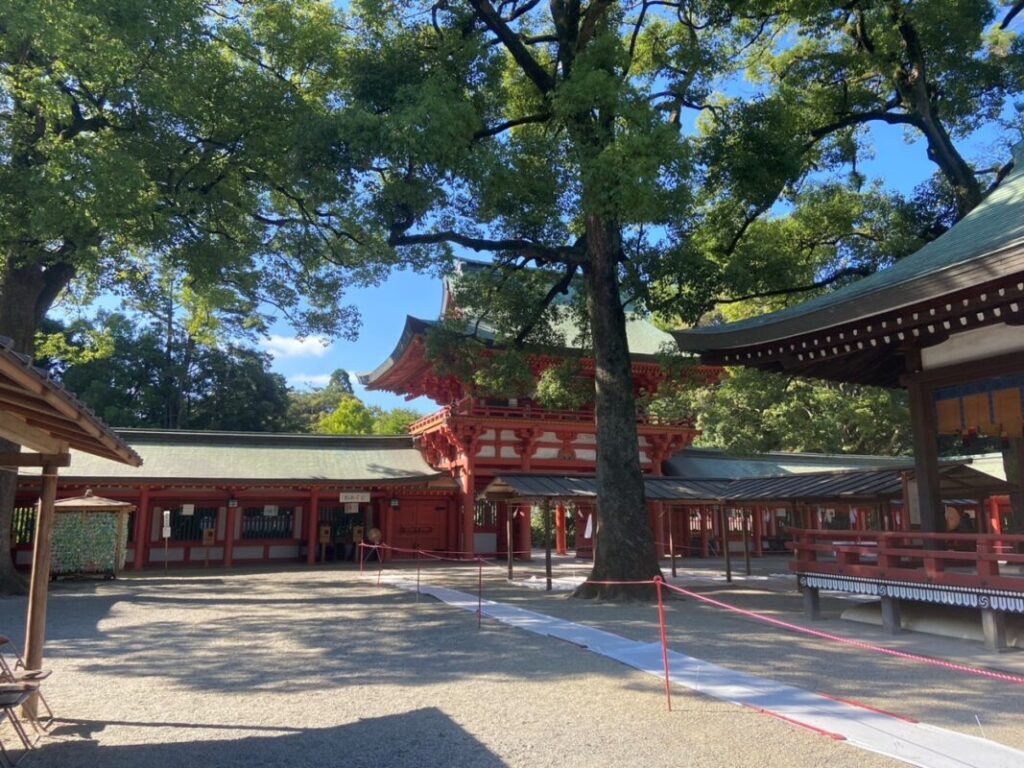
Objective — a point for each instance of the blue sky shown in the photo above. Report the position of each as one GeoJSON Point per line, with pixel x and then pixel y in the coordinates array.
{"type": "Point", "coordinates": [384, 309]}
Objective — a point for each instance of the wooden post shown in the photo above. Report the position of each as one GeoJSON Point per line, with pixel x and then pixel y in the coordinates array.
{"type": "Point", "coordinates": [995, 521]}
{"type": "Point", "coordinates": [141, 533]}
{"type": "Point", "coordinates": [35, 630]}
{"type": "Point", "coordinates": [891, 622]}
{"type": "Point", "coordinates": [703, 532]}
{"type": "Point", "coordinates": [547, 542]}
{"type": "Point", "coordinates": [525, 534]}
{"type": "Point", "coordinates": [746, 540]}
{"type": "Point", "coordinates": [560, 539]}
{"type": "Point", "coordinates": [725, 543]}
{"type": "Point", "coordinates": [229, 533]}
{"type": "Point", "coordinates": [509, 512]}
{"type": "Point", "coordinates": [313, 525]}
{"type": "Point", "coordinates": [758, 515]}
{"type": "Point", "coordinates": [812, 603]}
{"type": "Point", "coordinates": [926, 458]}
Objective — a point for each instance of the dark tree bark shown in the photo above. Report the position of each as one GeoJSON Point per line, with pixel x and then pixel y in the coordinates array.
{"type": "Point", "coordinates": [624, 544]}
{"type": "Point", "coordinates": [27, 292]}
{"type": "Point", "coordinates": [913, 86]}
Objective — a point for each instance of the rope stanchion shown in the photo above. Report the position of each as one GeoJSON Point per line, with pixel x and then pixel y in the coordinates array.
{"type": "Point", "coordinates": [664, 643]}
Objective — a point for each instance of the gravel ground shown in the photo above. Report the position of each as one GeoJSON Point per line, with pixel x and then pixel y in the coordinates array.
{"type": "Point", "coordinates": [304, 668]}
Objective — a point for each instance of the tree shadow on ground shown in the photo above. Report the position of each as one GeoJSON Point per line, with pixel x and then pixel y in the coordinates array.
{"type": "Point", "coordinates": [229, 638]}
{"type": "Point", "coordinates": [418, 739]}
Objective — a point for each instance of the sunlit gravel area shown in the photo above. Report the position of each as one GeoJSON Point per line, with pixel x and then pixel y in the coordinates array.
{"type": "Point", "coordinates": [322, 667]}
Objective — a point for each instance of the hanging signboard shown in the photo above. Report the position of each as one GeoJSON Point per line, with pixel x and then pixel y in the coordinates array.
{"type": "Point", "coordinates": [351, 508]}
{"type": "Point", "coordinates": [354, 497]}
{"type": "Point", "coordinates": [187, 510]}
{"type": "Point", "coordinates": [270, 510]}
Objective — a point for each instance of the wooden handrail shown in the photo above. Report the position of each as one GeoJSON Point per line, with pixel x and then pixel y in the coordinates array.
{"type": "Point", "coordinates": [904, 555]}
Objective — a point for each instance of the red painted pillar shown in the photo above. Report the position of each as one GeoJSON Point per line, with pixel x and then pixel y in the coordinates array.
{"type": "Point", "coordinates": [994, 519]}
{"type": "Point", "coordinates": [229, 533]}
{"type": "Point", "coordinates": [313, 525]}
{"type": "Point", "coordinates": [560, 543]}
{"type": "Point", "coordinates": [453, 526]}
{"type": "Point", "coordinates": [468, 510]}
{"type": "Point", "coordinates": [140, 535]}
{"type": "Point", "coordinates": [525, 535]}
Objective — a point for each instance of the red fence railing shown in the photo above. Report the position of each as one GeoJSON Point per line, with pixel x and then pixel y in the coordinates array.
{"type": "Point", "coordinates": [990, 561]}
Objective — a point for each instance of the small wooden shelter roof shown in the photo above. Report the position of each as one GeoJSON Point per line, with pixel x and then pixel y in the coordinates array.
{"type": "Point", "coordinates": [970, 277]}
{"type": "Point", "coordinates": [90, 502]}
{"type": "Point", "coordinates": [568, 488]}
{"type": "Point", "coordinates": [958, 481]}
{"type": "Point", "coordinates": [39, 414]}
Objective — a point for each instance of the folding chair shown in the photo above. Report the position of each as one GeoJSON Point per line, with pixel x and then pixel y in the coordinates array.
{"type": "Point", "coordinates": [12, 696]}
{"type": "Point", "coordinates": [17, 673]}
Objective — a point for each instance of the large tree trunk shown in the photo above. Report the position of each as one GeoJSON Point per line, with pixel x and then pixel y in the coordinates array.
{"type": "Point", "coordinates": [26, 294]}
{"type": "Point", "coordinates": [624, 546]}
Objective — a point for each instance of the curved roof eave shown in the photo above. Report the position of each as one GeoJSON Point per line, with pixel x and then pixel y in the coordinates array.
{"type": "Point", "coordinates": [841, 307]}
{"type": "Point", "coordinates": [414, 326]}
{"type": "Point", "coordinates": [986, 244]}
{"type": "Point", "coordinates": [49, 410]}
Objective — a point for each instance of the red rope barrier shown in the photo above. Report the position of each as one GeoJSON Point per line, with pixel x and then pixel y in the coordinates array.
{"type": "Point", "coordinates": [658, 583]}
{"type": "Point", "coordinates": [980, 672]}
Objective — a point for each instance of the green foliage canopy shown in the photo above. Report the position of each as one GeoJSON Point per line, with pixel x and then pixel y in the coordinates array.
{"type": "Point", "coordinates": [752, 412]}
{"type": "Point", "coordinates": [133, 374]}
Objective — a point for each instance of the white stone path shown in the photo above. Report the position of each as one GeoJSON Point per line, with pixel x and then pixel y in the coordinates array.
{"type": "Point", "coordinates": [903, 739]}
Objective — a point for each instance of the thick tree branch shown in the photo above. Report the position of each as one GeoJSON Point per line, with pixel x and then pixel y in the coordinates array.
{"type": "Point", "coordinates": [1012, 14]}
{"type": "Point", "coordinates": [518, 10]}
{"type": "Point", "coordinates": [861, 271]}
{"type": "Point", "coordinates": [591, 18]}
{"type": "Point", "coordinates": [560, 288]}
{"type": "Point", "coordinates": [516, 47]}
{"type": "Point", "coordinates": [860, 118]}
{"type": "Point", "coordinates": [494, 130]}
{"type": "Point", "coordinates": [541, 254]}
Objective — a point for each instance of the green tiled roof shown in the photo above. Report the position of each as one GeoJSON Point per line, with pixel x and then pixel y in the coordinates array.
{"type": "Point", "coordinates": [643, 337]}
{"type": "Point", "coordinates": [708, 463]}
{"type": "Point", "coordinates": [258, 458]}
{"type": "Point", "coordinates": [962, 256]}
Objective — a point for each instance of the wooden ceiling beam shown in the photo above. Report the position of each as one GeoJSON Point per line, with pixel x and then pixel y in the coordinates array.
{"type": "Point", "coordinates": [10, 459]}
{"type": "Point", "coordinates": [19, 431]}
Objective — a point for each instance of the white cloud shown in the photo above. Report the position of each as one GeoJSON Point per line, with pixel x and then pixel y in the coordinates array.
{"type": "Point", "coordinates": [289, 346]}
{"type": "Point", "coordinates": [310, 379]}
